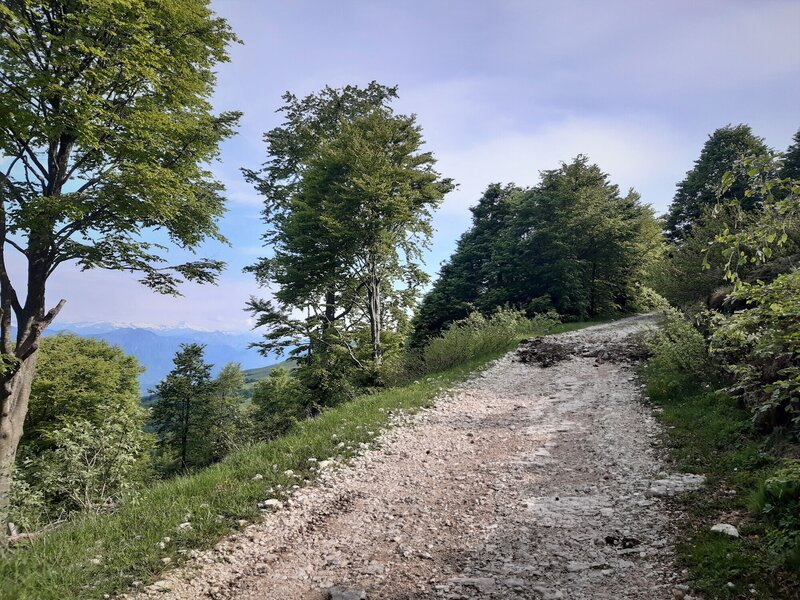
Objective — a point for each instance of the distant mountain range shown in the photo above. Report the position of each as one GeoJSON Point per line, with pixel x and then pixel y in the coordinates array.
{"type": "Point", "coordinates": [155, 347]}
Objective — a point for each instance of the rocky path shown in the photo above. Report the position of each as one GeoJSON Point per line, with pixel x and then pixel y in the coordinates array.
{"type": "Point", "coordinates": [527, 482]}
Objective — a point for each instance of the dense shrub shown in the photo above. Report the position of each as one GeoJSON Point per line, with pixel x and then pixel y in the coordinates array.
{"type": "Point", "coordinates": [279, 401]}
{"type": "Point", "coordinates": [680, 358]}
{"type": "Point", "coordinates": [778, 499]}
{"type": "Point", "coordinates": [646, 299]}
{"type": "Point", "coordinates": [84, 448]}
{"type": "Point", "coordinates": [87, 467]}
{"type": "Point", "coordinates": [760, 347]}
{"type": "Point", "coordinates": [478, 335]}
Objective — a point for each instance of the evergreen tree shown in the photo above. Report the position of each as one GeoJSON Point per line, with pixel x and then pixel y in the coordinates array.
{"type": "Point", "coordinates": [699, 190]}
{"type": "Point", "coordinates": [791, 160]}
{"type": "Point", "coordinates": [183, 411]}
{"type": "Point", "coordinates": [279, 401]}
{"type": "Point", "coordinates": [578, 241]}
{"type": "Point", "coordinates": [470, 280]}
{"type": "Point", "coordinates": [572, 243]}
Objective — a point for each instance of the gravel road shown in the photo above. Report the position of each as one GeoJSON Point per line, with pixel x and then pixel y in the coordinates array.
{"type": "Point", "coordinates": [524, 482]}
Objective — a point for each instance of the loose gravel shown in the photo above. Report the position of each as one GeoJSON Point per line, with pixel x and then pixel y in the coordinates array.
{"type": "Point", "coordinates": [526, 482]}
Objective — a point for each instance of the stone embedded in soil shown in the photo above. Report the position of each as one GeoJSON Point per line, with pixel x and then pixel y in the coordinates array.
{"type": "Point", "coordinates": [342, 593]}
{"type": "Point", "coordinates": [674, 485]}
{"type": "Point", "coordinates": [726, 529]}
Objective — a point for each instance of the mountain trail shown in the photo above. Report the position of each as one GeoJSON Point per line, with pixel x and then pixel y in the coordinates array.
{"type": "Point", "coordinates": [526, 482]}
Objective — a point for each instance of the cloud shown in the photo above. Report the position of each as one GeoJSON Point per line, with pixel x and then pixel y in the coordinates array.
{"type": "Point", "coordinates": [98, 295]}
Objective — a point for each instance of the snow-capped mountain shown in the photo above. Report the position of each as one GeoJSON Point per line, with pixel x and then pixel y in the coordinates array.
{"type": "Point", "coordinates": [155, 347]}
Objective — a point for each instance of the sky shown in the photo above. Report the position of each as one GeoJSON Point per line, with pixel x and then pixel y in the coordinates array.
{"type": "Point", "coordinates": [502, 90]}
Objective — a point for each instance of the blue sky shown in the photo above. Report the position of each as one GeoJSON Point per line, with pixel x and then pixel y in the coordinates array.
{"type": "Point", "coordinates": [502, 90]}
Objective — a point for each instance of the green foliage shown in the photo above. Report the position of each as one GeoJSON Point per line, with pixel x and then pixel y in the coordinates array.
{"type": "Point", "coordinates": [691, 273]}
{"type": "Point", "coordinates": [572, 243]}
{"type": "Point", "coordinates": [760, 347]}
{"type": "Point", "coordinates": [790, 169]}
{"type": "Point", "coordinates": [679, 358]}
{"type": "Point", "coordinates": [476, 336]}
{"type": "Point", "coordinates": [349, 197]}
{"type": "Point", "coordinates": [470, 280]}
{"type": "Point", "coordinates": [279, 402]}
{"type": "Point", "coordinates": [709, 432]}
{"type": "Point", "coordinates": [700, 189]}
{"type": "Point", "coordinates": [28, 505]}
{"type": "Point", "coordinates": [778, 499]}
{"type": "Point", "coordinates": [183, 413]}
{"type": "Point", "coordinates": [90, 466]}
{"type": "Point", "coordinates": [83, 446]}
{"type": "Point", "coordinates": [226, 422]}
{"type": "Point", "coordinates": [79, 378]}
{"type": "Point", "coordinates": [297, 264]}
{"type": "Point", "coordinates": [760, 343]}
{"type": "Point", "coordinates": [644, 299]}
{"type": "Point", "coordinates": [115, 98]}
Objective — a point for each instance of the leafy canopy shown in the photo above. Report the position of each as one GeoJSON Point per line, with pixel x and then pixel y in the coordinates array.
{"type": "Point", "coordinates": [106, 130]}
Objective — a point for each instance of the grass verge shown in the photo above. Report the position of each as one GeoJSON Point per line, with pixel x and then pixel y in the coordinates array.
{"type": "Point", "coordinates": [105, 554]}
{"type": "Point", "coordinates": [708, 432]}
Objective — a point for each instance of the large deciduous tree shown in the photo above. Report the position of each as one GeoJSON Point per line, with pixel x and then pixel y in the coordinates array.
{"type": "Point", "coordinates": [309, 123]}
{"type": "Point", "coordinates": [106, 129]}
{"type": "Point", "coordinates": [700, 189]}
{"type": "Point", "coordinates": [376, 190]}
{"type": "Point", "coordinates": [349, 228]}
{"type": "Point", "coordinates": [572, 243]}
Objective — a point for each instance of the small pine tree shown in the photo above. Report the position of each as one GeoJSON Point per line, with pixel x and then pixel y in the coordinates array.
{"type": "Point", "coordinates": [183, 409]}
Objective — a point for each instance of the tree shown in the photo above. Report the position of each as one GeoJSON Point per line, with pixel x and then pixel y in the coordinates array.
{"type": "Point", "coordinates": [579, 241]}
{"type": "Point", "coordinates": [84, 441]}
{"type": "Point", "coordinates": [106, 130]}
{"type": "Point", "coordinates": [790, 169]}
{"type": "Point", "coordinates": [760, 343]}
{"type": "Point", "coordinates": [279, 401]}
{"type": "Point", "coordinates": [183, 409]}
{"type": "Point", "coordinates": [225, 422]}
{"type": "Point", "coordinates": [572, 243]}
{"type": "Point", "coordinates": [79, 377]}
{"type": "Point", "coordinates": [310, 121]}
{"type": "Point", "coordinates": [699, 190]}
{"type": "Point", "coordinates": [469, 280]}
{"type": "Point", "coordinates": [347, 229]}
{"type": "Point", "coordinates": [375, 191]}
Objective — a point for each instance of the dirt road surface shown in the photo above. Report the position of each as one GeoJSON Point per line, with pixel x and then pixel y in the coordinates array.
{"type": "Point", "coordinates": [525, 482]}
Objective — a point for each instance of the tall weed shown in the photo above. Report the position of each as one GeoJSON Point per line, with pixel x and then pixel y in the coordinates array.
{"type": "Point", "coordinates": [478, 335]}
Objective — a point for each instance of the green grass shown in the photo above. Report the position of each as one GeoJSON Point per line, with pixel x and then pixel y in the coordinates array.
{"type": "Point", "coordinates": [259, 373]}
{"type": "Point", "coordinates": [105, 554]}
{"type": "Point", "coordinates": [709, 433]}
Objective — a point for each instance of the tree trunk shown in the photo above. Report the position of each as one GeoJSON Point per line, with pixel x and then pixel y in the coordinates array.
{"type": "Point", "coordinates": [330, 307]}
{"type": "Point", "coordinates": [185, 432]}
{"type": "Point", "coordinates": [13, 408]}
{"type": "Point", "coordinates": [374, 310]}
{"type": "Point", "coordinates": [593, 292]}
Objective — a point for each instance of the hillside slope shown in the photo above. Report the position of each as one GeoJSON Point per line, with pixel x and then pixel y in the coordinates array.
{"type": "Point", "coordinates": [528, 482]}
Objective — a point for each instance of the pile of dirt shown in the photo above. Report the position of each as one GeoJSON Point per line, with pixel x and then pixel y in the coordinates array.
{"type": "Point", "coordinates": [547, 352]}
{"type": "Point", "coordinates": [544, 352]}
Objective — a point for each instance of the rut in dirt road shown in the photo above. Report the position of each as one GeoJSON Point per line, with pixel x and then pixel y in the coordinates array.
{"type": "Point", "coordinates": [527, 482]}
